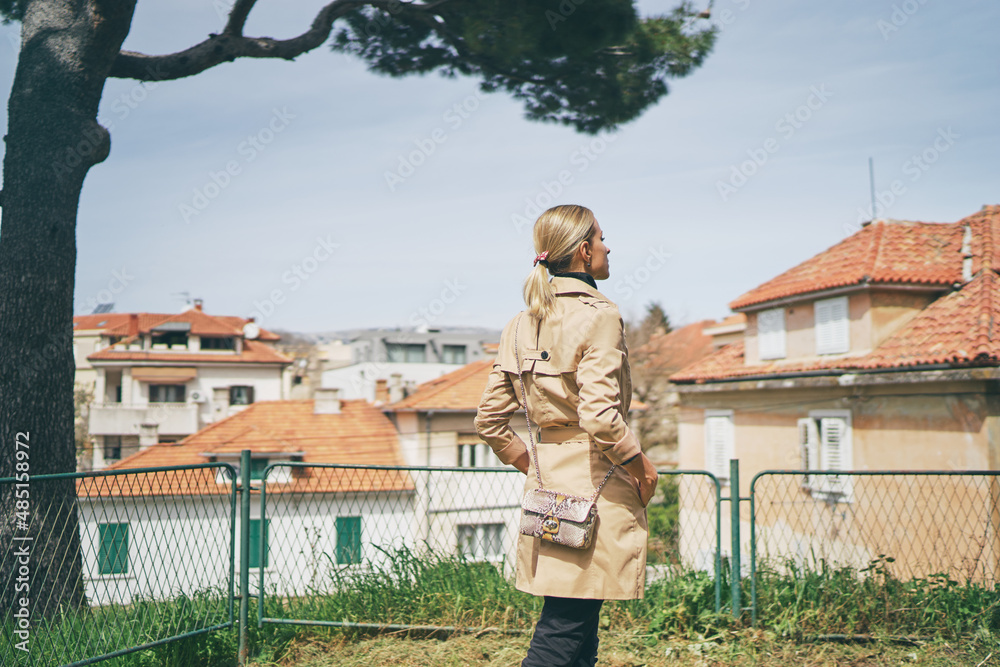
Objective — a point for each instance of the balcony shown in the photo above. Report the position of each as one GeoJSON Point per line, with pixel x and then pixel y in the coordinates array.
{"type": "Point", "coordinates": [124, 418]}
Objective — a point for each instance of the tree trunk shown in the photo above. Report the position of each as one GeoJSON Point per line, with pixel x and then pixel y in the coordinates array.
{"type": "Point", "coordinates": [53, 139]}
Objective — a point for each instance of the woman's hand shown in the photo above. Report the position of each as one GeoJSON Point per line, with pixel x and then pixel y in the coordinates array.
{"type": "Point", "coordinates": [644, 473]}
{"type": "Point", "coordinates": [522, 462]}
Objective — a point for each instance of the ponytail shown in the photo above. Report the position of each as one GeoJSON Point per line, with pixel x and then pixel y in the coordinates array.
{"type": "Point", "coordinates": [557, 233]}
{"type": "Point", "coordinates": [538, 293]}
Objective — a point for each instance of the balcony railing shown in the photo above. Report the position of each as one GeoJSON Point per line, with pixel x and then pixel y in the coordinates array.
{"type": "Point", "coordinates": [125, 418]}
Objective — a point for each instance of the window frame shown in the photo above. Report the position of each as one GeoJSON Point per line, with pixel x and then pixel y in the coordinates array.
{"type": "Point", "coordinates": [400, 353]}
{"type": "Point", "coordinates": [452, 351]}
{"type": "Point", "coordinates": [233, 394]}
{"type": "Point", "coordinates": [182, 389]}
{"type": "Point", "coordinates": [833, 336]}
{"type": "Point", "coordinates": [105, 445]}
{"type": "Point", "coordinates": [476, 455]}
{"type": "Point", "coordinates": [477, 538]}
{"type": "Point", "coordinates": [717, 464]}
{"type": "Point", "coordinates": [772, 343]}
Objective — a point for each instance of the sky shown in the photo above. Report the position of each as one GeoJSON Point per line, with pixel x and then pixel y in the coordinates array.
{"type": "Point", "coordinates": [317, 196]}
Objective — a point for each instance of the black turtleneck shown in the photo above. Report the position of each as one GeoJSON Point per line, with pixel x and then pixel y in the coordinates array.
{"type": "Point", "coordinates": [579, 275]}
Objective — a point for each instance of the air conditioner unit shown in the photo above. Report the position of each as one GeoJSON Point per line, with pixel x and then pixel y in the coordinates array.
{"type": "Point", "coordinates": [197, 397]}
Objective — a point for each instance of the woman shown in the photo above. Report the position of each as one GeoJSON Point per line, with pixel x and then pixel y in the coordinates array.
{"type": "Point", "coordinates": [574, 366]}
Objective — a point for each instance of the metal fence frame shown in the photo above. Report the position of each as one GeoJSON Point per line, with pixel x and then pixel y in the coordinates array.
{"type": "Point", "coordinates": [263, 543]}
{"type": "Point", "coordinates": [242, 486]}
{"type": "Point", "coordinates": [232, 538]}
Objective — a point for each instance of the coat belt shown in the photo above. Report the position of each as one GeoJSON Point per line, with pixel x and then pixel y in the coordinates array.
{"type": "Point", "coordinates": [560, 433]}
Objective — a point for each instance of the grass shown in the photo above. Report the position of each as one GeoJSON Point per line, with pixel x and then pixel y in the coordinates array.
{"type": "Point", "coordinates": [936, 619]}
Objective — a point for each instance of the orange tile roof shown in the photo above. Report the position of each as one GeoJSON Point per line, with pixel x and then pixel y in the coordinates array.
{"type": "Point", "coordinates": [254, 352]}
{"type": "Point", "coordinates": [670, 352]}
{"type": "Point", "coordinates": [359, 435]}
{"type": "Point", "coordinates": [960, 329]}
{"type": "Point", "coordinates": [460, 389]}
{"type": "Point", "coordinates": [202, 324]}
{"type": "Point", "coordinates": [917, 253]}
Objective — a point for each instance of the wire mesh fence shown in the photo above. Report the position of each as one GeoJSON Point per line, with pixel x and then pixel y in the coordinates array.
{"type": "Point", "coordinates": [327, 534]}
{"type": "Point", "coordinates": [111, 562]}
{"type": "Point", "coordinates": [927, 523]}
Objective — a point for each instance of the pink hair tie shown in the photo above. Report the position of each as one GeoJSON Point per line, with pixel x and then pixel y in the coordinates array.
{"type": "Point", "coordinates": [541, 258]}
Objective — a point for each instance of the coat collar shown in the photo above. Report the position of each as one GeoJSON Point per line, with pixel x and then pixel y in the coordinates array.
{"type": "Point", "coordinates": [574, 286]}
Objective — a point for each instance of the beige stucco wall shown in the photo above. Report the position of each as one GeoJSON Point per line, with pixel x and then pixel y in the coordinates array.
{"type": "Point", "coordinates": [928, 524]}
{"type": "Point", "coordinates": [874, 315]}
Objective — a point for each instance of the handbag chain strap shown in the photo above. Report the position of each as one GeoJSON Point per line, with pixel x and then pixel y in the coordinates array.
{"type": "Point", "coordinates": [524, 401]}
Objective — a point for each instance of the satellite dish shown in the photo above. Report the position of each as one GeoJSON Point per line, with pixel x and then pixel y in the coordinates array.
{"type": "Point", "coordinates": [251, 330]}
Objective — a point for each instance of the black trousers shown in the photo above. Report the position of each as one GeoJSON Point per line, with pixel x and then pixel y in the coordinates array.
{"type": "Point", "coordinates": [566, 634]}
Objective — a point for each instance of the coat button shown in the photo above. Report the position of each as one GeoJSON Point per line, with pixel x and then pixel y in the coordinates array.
{"type": "Point", "coordinates": [545, 355]}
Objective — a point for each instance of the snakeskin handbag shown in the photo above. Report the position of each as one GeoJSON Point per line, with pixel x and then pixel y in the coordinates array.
{"type": "Point", "coordinates": [549, 515]}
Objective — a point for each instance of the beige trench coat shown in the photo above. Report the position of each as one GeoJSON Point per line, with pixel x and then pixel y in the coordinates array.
{"type": "Point", "coordinates": [576, 377]}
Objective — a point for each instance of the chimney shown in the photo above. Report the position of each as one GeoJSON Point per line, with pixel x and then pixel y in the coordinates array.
{"type": "Point", "coordinates": [149, 435]}
{"type": "Point", "coordinates": [967, 254]}
{"type": "Point", "coordinates": [396, 387]}
{"type": "Point", "coordinates": [133, 324]}
{"type": "Point", "coordinates": [198, 303]}
{"type": "Point", "coordinates": [381, 391]}
{"type": "Point", "coordinates": [326, 401]}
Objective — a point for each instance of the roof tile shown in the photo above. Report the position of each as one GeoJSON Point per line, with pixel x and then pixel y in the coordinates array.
{"type": "Point", "coordinates": [359, 435]}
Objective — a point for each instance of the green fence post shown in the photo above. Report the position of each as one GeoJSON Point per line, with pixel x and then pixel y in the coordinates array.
{"type": "Point", "coordinates": [734, 521]}
{"type": "Point", "coordinates": [244, 553]}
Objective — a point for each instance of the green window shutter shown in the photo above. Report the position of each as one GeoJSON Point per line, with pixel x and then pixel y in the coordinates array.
{"type": "Point", "coordinates": [255, 560]}
{"type": "Point", "coordinates": [348, 540]}
{"type": "Point", "coordinates": [112, 552]}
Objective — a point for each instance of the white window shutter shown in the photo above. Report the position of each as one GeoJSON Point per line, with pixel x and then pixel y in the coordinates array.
{"type": "Point", "coordinates": [718, 444]}
{"type": "Point", "coordinates": [835, 446]}
{"type": "Point", "coordinates": [771, 334]}
{"type": "Point", "coordinates": [809, 448]}
{"type": "Point", "coordinates": [832, 326]}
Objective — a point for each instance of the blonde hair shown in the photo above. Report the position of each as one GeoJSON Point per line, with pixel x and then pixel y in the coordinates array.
{"type": "Point", "coordinates": [560, 231]}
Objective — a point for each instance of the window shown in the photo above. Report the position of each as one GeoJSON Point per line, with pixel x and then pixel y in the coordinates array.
{"type": "Point", "coordinates": [166, 393]}
{"type": "Point", "coordinates": [218, 343]}
{"type": "Point", "coordinates": [240, 395]}
{"type": "Point", "coordinates": [475, 454]}
{"type": "Point", "coordinates": [255, 525]}
{"type": "Point", "coordinates": [112, 447]}
{"type": "Point", "coordinates": [483, 541]}
{"type": "Point", "coordinates": [453, 354]}
{"type": "Point", "coordinates": [348, 540]}
{"type": "Point", "coordinates": [825, 445]}
{"type": "Point", "coordinates": [406, 353]}
{"type": "Point", "coordinates": [719, 442]}
{"type": "Point", "coordinates": [771, 333]}
{"type": "Point", "coordinates": [170, 338]}
{"type": "Point", "coordinates": [832, 333]}
{"type": "Point", "coordinates": [112, 552]}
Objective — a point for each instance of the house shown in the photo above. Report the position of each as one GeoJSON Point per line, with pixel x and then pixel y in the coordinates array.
{"type": "Point", "coordinates": [155, 534]}
{"type": "Point", "coordinates": [161, 377]}
{"type": "Point", "coordinates": [880, 353]}
{"type": "Point", "coordinates": [436, 428]}
{"type": "Point", "coordinates": [415, 356]}
{"type": "Point", "coordinates": [653, 363]}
